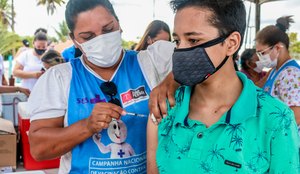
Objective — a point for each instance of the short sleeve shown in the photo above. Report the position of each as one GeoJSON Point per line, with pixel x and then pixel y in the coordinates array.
{"type": "Point", "coordinates": [21, 59]}
{"type": "Point", "coordinates": [156, 61]}
{"type": "Point", "coordinates": [49, 97]}
{"type": "Point", "coordinates": [287, 86]}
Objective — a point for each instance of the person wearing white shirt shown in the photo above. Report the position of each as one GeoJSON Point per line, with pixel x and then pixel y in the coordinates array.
{"type": "Point", "coordinates": [28, 64]}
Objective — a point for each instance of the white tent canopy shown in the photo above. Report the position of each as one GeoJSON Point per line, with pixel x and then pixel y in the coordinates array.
{"type": "Point", "coordinates": [258, 3]}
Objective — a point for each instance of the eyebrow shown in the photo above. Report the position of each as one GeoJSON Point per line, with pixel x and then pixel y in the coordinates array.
{"type": "Point", "coordinates": [108, 24]}
{"type": "Point", "coordinates": [193, 34]}
{"type": "Point", "coordinates": [89, 32]}
{"type": "Point", "coordinates": [189, 34]}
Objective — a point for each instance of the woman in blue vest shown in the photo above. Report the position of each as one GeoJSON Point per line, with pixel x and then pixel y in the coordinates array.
{"type": "Point", "coordinates": [272, 46]}
{"type": "Point", "coordinates": [93, 110]}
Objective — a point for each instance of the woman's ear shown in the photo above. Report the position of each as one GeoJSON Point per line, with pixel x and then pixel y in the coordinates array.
{"type": "Point", "coordinates": [233, 42]}
{"type": "Point", "coordinates": [279, 46]}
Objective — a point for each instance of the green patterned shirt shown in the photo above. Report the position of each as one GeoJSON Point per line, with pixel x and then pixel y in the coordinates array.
{"type": "Point", "coordinates": [257, 135]}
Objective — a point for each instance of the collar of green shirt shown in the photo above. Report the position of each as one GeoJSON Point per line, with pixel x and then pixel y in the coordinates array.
{"type": "Point", "coordinates": [244, 108]}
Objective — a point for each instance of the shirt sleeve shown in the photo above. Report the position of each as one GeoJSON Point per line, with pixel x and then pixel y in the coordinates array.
{"type": "Point", "coordinates": [284, 146]}
{"type": "Point", "coordinates": [21, 59]}
{"type": "Point", "coordinates": [289, 86]}
{"type": "Point", "coordinates": [156, 61]}
{"type": "Point", "coordinates": [49, 97]}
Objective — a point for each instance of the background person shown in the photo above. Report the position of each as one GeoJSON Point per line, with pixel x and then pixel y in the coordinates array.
{"type": "Point", "coordinates": [28, 64]}
{"type": "Point", "coordinates": [88, 95]}
{"type": "Point", "coordinates": [221, 122]}
{"type": "Point", "coordinates": [156, 30]}
{"type": "Point", "coordinates": [252, 67]}
{"type": "Point", "coordinates": [272, 46]}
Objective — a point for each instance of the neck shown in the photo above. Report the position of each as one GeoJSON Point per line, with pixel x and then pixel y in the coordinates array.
{"type": "Point", "coordinates": [212, 98]}
{"type": "Point", "coordinates": [227, 89]}
{"type": "Point", "coordinates": [282, 59]}
{"type": "Point", "coordinates": [104, 73]}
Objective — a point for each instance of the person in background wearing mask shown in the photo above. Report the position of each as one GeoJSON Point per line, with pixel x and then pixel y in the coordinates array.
{"type": "Point", "coordinates": [105, 88]}
{"type": "Point", "coordinates": [252, 67]}
{"type": "Point", "coordinates": [221, 122]}
{"type": "Point", "coordinates": [272, 46]}
{"type": "Point", "coordinates": [156, 30]}
{"type": "Point", "coordinates": [28, 64]}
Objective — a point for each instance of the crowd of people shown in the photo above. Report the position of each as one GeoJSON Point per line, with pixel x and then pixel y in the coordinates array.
{"type": "Point", "coordinates": [163, 107]}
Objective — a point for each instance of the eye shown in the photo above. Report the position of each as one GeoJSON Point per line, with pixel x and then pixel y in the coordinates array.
{"type": "Point", "coordinates": [194, 41]}
{"type": "Point", "coordinates": [176, 41]}
{"type": "Point", "coordinates": [107, 30]}
{"type": "Point", "coordinates": [88, 37]}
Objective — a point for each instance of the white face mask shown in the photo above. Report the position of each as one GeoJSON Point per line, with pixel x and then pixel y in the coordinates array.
{"type": "Point", "coordinates": [259, 66]}
{"type": "Point", "coordinates": [103, 50]}
{"type": "Point", "coordinates": [266, 60]}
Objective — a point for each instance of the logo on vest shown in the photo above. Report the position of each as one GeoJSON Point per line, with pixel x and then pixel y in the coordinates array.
{"type": "Point", "coordinates": [86, 100]}
{"type": "Point", "coordinates": [134, 96]}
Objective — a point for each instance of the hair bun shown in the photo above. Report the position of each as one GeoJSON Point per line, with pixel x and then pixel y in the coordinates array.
{"type": "Point", "coordinates": [283, 23]}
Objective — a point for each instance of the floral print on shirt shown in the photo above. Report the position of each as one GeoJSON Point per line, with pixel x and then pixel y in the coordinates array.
{"type": "Point", "coordinates": [287, 86]}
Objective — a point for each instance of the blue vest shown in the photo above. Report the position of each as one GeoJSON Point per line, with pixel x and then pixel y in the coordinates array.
{"type": "Point", "coordinates": [122, 147]}
{"type": "Point", "coordinates": [270, 83]}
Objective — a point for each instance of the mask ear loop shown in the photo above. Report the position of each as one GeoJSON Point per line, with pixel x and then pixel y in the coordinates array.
{"type": "Point", "coordinates": [225, 59]}
{"type": "Point", "coordinates": [222, 63]}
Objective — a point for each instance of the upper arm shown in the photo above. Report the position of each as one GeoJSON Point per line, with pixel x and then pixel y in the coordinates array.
{"type": "Point", "coordinates": [296, 110]}
{"type": "Point", "coordinates": [49, 98]}
{"type": "Point", "coordinates": [22, 58]}
{"type": "Point", "coordinates": [46, 123]}
{"type": "Point", "coordinates": [18, 66]}
{"type": "Point", "coordinates": [152, 142]}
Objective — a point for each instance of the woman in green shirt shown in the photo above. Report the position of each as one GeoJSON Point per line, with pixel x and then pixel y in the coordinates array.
{"type": "Point", "coordinates": [222, 122]}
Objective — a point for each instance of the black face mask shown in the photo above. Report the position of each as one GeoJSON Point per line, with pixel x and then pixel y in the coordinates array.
{"type": "Point", "coordinates": [192, 66]}
{"type": "Point", "coordinates": [39, 51]}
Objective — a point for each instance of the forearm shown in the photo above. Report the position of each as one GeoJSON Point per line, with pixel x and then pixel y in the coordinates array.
{"type": "Point", "coordinates": [4, 81]}
{"type": "Point", "coordinates": [24, 75]}
{"type": "Point", "coordinates": [49, 143]}
{"type": "Point", "coordinates": [9, 89]}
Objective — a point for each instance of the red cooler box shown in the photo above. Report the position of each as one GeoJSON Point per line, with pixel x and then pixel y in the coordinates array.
{"type": "Point", "coordinates": [29, 162]}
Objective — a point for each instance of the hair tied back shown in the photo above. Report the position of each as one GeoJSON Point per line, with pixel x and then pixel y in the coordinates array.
{"type": "Point", "coordinates": [283, 23]}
